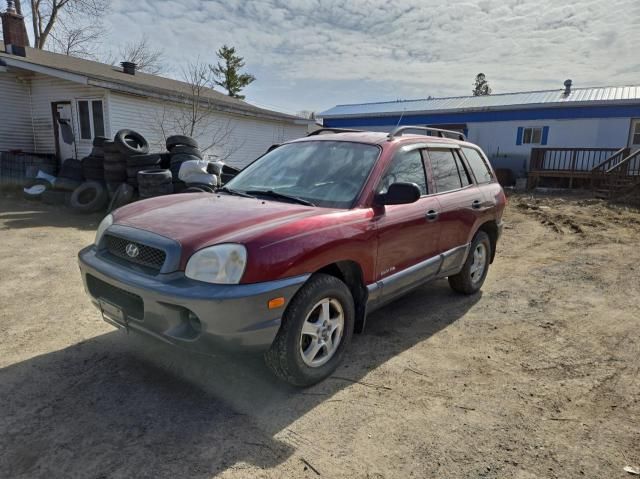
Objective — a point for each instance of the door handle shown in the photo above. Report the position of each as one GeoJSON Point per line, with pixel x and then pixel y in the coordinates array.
{"type": "Point", "coordinates": [432, 215]}
{"type": "Point", "coordinates": [476, 204]}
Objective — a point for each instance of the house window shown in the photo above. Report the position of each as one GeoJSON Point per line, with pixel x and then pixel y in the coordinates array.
{"type": "Point", "coordinates": [532, 136]}
{"type": "Point", "coordinates": [91, 119]}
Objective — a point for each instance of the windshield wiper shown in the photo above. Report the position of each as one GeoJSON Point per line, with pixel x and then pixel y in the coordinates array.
{"type": "Point", "coordinates": [234, 192]}
{"type": "Point", "coordinates": [282, 196]}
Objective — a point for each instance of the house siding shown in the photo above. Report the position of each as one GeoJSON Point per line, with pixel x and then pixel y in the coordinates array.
{"type": "Point", "coordinates": [46, 90]}
{"type": "Point", "coordinates": [245, 138]}
{"type": "Point", "coordinates": [16, 130]}
{"type": "Point", "coordinates": [499, 139]}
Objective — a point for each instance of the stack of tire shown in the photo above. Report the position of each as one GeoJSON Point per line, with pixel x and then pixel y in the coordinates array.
{"type": "Point", "coordinates": [154, 182]}
{"type": "Point", "coordinates": [137, 163]}
{"type": "Point", "coordinates": [115, 166]}
{"type": "Point", "coordinates": [181, 148]}
{"type": "Point", "coordinates": [93, 165]}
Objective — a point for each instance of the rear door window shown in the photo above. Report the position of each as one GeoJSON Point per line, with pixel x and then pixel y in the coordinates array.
{"type": "Point", "coordinates": [478, 165]}
{"type": "Point", "coordinates": [448, 172]}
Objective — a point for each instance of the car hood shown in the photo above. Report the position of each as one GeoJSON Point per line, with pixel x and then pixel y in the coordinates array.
{"type": "Point", "coordinates": [197, 220]}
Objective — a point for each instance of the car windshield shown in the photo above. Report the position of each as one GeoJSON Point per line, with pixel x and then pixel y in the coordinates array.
{"type": "Point", "coordinates": [325, 173]}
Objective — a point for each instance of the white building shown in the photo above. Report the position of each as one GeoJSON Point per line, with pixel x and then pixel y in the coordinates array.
{"type": "Point", "coordinates": [41, 92]}
{"type": "Point", "coordinates": [507, 126]}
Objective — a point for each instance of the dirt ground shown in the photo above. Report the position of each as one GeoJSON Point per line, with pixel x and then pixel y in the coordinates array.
{"type": "Point", "coordinates": [537, 376]}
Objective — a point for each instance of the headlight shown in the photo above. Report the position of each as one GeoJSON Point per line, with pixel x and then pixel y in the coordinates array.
{"type": "Point", "coordinates": [102, 227]}
{"type": "Point", "coordinates": [220, 264]}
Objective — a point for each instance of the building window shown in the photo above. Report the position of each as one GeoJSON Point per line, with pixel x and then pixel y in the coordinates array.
{"type": "Point", "coordinates": [91, 119]}
{"type": "Point", "coordinates": [532, 136]}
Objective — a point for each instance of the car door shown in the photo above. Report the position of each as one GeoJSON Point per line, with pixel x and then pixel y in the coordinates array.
{"type": "Point", "coordinates": [460, 203]}
{"type": "Point", "coordinates": [408, 235]}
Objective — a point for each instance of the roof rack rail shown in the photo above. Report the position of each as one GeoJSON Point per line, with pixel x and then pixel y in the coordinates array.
{"type": "Point", "coordinates": [440, 132]}
{"type": "Point", "coordinates": [332, 130]}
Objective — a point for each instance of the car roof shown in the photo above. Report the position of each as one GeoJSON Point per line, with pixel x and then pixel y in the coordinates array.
{"type": "Point", "coordinates": [377, 138]}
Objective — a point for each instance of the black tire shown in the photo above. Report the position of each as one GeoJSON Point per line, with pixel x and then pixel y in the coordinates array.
{"type": "Point", "coordinates": [93, 174]}
{"type": "Point", "coordinates": [156, 176]}
{"type": "Point", "coordinates": [201, 186]}
{"type": "Point", "coordinates": [36, 194]}
{"type": "Point", "coordinates": [122, 196]}
{"type": "Point", "coordinates": [165, 160]}
{"type": "Point", "coordinates": [65, 184]}
{"type": "Point", "coordinates": [148, 191]}
{"type": "Point", "coordinates": [143, 161]}
{"type": "Point", "coordinates": [55, 197]}
{"type": "Point", "coordinates": [71, 169]}
{"type": "Point", "coordinates": [99, 141]}
{"type": "Point", "coordinates": [130, 142]}
{"type": "Point", "coordinates": [186, 150]}
{"type": "Point", "coordinates": [464, 282]}
{"type": "Point", "coordinates": [284, 357]}
{"type": "Point", "coordinates": [97, 151]}
{"type": "Point", "coordinates": [115, 176]}
{"type": "Point", "coordinates": [115, 166]}
{"type": "Point", "coordinates": [177, 140]}
{"type": "Point", "coordinates": [193, 189]}
{"type": "Point", "coordinates": [89, 197]}
{"type": "Point", "coordinates": [92, 161]}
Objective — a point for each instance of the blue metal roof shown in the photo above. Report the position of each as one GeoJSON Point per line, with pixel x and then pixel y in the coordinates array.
{"type": "Point", "coordinates": [614, 95]}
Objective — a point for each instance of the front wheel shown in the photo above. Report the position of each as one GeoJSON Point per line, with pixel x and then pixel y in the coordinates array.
{"type": "Point", "coordinates": [316, 329]}
{"type": "Point", "coordinates": [474, 271]}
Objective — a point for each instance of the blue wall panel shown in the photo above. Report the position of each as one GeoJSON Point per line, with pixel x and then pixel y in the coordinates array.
{"type": "Point", "coordinates": [481, 116]}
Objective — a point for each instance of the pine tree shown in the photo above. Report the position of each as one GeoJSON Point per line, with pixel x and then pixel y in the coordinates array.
{"type": "Point", "coordinates": [227, 72]}
{"type": "Point", "coordinates": [481, 87]}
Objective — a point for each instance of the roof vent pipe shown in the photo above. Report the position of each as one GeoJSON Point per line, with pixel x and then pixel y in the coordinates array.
{"type": "Point", "coordinates": [129, 68]}
{"type": "Point", "coordinates": [567, 87]}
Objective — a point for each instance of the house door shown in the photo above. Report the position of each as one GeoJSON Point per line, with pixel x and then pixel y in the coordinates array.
{"type": "Point", "coordinates": [63, 130]}
{"type": "Point", "coordinates": [634, 135]}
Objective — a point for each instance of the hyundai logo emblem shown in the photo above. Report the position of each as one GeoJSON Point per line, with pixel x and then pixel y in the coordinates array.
{"type": "Point", "coordinates": [132, 250]}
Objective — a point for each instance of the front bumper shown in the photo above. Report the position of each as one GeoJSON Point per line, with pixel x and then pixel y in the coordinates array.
{"type": "Point", "coordinates": [232, 317]}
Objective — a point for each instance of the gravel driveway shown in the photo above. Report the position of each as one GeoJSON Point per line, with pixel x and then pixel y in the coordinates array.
{"type": "Point", "coordinates": [538, 376]}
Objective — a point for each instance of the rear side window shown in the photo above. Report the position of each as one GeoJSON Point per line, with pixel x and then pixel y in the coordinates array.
{"type": "Point", "coordinates": [477, 164]}
{"type": "Point", "coordinates": [448, 171]}
{"type": "Point", "coordinates": [407, 167]}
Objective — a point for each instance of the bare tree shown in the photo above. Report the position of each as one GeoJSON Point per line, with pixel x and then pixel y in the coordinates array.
{"type": "Point", "coordinates": [140, 52]}
{"type": "Point", "coordinates": [47, 14]}
{"type": "Point", "coordinates": [196, 114]}
{"type": "Point", "coordinates": [77, 41]}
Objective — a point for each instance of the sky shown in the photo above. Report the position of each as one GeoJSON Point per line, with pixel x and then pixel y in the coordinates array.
{"type": "Point", "coordinates": [314, 54]}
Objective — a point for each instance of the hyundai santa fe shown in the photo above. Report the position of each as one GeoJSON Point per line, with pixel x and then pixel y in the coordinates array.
{"type": "Point", "coordinates": [290, 257]}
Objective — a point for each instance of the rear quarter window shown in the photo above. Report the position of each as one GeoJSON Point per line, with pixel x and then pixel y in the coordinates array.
{"type": "Point", "coordinates": [478, 166]}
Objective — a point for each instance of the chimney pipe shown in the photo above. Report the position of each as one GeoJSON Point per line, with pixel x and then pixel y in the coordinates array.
{"type": "Point", "coordinates": [567, 87]}
{"type": "Point", "coordinates": [14, 31]}
{"type": "Point", "coordinates": [128, 67]}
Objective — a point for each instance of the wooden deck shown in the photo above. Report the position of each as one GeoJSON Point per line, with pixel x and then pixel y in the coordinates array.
{"type": "Point", "coordinates": [571, 163]}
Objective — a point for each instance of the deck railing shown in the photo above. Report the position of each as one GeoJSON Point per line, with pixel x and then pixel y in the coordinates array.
{"type": "Point", "coordinates": [568, 160]}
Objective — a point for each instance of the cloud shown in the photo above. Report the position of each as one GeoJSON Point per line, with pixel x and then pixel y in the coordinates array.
{"type": "Point", "coordinates": [312, 54]}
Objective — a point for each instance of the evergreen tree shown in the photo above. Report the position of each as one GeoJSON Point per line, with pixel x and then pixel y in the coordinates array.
{"type": "Point", "coordinates": [227, 72]}
{"type": "Point", "coordinates": [481, 87]}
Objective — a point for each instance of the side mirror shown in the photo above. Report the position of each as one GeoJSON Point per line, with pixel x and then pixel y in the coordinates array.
{"type": "Point", "coordinates": [399, 194]}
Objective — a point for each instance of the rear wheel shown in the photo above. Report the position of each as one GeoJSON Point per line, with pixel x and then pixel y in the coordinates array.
{"type": "Point", "coordinates": [316, 330]}
{"type": "Point", "coordinates": [474, 271]}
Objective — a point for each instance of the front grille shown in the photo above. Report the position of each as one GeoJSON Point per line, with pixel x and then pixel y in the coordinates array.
{"type": "Point", "coordinates": [147, 256]}
{"type": "Point", "coordinates": [130, 303]}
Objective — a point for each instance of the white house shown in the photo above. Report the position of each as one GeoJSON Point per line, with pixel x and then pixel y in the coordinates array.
{"type": "Point", "coordinates": [56, 104]}
{"type": "Point", "coordinates": [507, 126]}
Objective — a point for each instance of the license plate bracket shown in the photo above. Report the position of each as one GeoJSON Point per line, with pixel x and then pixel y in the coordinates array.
{"type": "Point", "coordinates": [114, 314]}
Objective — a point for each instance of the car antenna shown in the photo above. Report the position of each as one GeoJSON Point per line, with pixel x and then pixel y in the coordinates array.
{"type": "Point", "coordinates": [400, 119]}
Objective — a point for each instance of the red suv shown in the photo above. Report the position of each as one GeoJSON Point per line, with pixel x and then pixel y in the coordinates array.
{"type": "Point", "coordinates": [294, 252]}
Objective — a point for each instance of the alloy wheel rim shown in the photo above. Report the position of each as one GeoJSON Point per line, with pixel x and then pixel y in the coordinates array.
{"type": "Point", "coordinates": [479, 262]}
{"type": "Point", "coordinates": [322, 332]}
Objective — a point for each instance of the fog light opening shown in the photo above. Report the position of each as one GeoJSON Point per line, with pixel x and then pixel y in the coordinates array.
{"type": "Point", "coordinates": [194, 323]}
